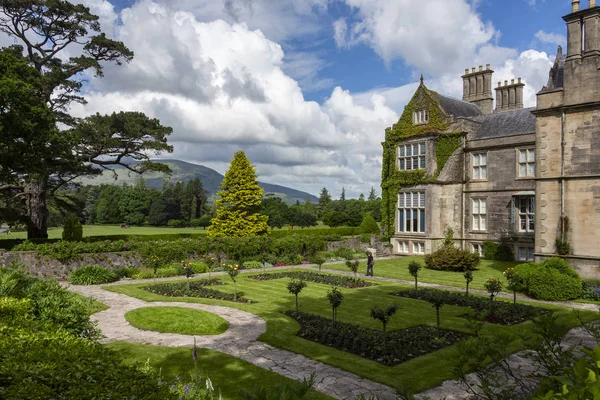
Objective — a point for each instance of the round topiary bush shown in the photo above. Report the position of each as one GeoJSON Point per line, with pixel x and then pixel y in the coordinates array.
{"type": "Point", "coordinates": [450, 258]}
{"type": "Point", "coordinates": [547, 281]}
{"type": "Point", "coordinates": [369, 225]}
{"type": "Point", "coordinates": [92, 275]}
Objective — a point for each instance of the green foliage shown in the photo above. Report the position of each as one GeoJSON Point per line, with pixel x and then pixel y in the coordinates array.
{"type": "Point", "coordinates": [498, 251]}
{"type": "Point", "coordinates": [384, 314]}
{"type": "Point", "coordinates": [451, 259]}
{"type": "Point", "coordinates": [293, 391]}
{"type": "Point", "coordinates": [390, 348]}
{"type": "Point", "coordinates": [562, 247]}
{"type": "Point", "coordinates": [335, 298]}
{"type": "Point", "coordinates": [182, 320]}
{"type": "Point", "coordinates": [252, 265]}
{"type": "Point", "coordinates": [551, 279]}
{"type": "Point", "coordinates": [468, 279]}
{"type": "Point", "coordinates": [319, 260]}
{"type": "Point", "coordinates": [295, 287]}
{"type": "Point", "coordinates": [413, 270]}
{"type": "Point", "coordinates": [92, 275]}
{"type": "Point", "coordinates": [194, 288]}
{"type": "Point", "coordinates": [239, 202]}
{"type": "Point", "coordinates": [369, 225]}
{"type": "Point", "coordinates": [493, 287]}
{"type": "Point", "coordinates": [352, 265]}
{"type": "Point", "coordinates": [72, 231]}
{"type": "Point", "coordinates": [176, 223]}
{"type": "Point", "coordinates": [448, 238]}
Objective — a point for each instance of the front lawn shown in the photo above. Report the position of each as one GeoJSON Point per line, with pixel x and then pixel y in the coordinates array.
{"type": "Point", "coordinates": [185, 321]}
{"type": "Point", "coordinates": [398, 268]}
{"type": "Point", "coordinates": [270, 299]}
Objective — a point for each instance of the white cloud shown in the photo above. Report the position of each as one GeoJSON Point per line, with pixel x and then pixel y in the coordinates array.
{"type": "Point", "coordinates": [552, 38]}
{"type": "Point", "coordinates": [433, 37]}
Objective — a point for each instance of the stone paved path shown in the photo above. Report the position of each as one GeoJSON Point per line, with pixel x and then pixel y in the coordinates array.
{"type": "Point", "coordinates": [240, 339]}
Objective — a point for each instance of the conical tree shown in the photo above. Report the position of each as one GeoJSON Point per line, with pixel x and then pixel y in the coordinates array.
{"type": "Point", "coordinates": [238, 206]}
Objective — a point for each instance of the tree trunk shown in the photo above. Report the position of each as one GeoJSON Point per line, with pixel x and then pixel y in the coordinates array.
{"type": "Point", "coordinates": [437, 314]}
{"type": "Point", "coordinates": [37, 208]}
{"type": "Point", "coordinates": [296, 304]}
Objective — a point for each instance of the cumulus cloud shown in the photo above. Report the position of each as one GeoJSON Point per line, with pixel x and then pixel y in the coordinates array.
{"type": "Point", "coordinates": [433, 37]}
{"type": "Point", "coordinates": [552, 38]}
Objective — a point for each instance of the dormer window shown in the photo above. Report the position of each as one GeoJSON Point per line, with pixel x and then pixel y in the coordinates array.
{"type": "Point", "coordinates": [420, 117]}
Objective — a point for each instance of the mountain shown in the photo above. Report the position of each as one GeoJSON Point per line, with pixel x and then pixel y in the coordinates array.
{"type": "Point", "coordinates": [184, 172]}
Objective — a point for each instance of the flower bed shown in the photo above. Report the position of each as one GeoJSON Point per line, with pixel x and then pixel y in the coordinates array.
{"type": "Point", "coordinates": [341, 281]}
{"type": "Point", "coordinates": [194, 289]}
{"type": "Point", "coordinates": [391, 349]}
{"type": "Point", "coordinates": [503, 313]}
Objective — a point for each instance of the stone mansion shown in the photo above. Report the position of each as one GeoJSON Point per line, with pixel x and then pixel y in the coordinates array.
{"type": "Point", "coordinates": [524, 176]}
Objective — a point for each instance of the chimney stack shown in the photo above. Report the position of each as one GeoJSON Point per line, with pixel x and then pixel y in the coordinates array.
{"type": "Point", "coordinates": [510, 96]}
{"type": "Point", "coordinates": [477, 88]}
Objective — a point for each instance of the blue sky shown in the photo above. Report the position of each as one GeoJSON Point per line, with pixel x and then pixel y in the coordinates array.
{"type": "Point", "coordinates": [307, 87]}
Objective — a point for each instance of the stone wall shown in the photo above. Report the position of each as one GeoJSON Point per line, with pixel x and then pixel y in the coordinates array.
{"type": "Point", "coordinates": [48, 267]}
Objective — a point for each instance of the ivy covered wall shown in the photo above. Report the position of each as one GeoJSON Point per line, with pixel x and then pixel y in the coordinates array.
{"type": "Point", "coordinates": [392, 180]}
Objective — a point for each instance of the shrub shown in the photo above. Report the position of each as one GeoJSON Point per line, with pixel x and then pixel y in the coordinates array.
{"type": "Point", "coordinates": [194, 289]}
{"type": "Point", "coordinates": [335, 280]}
{"type": "Point", "coordinates": [591, 290]}
{"type": "Point", "coordinates": [452, 259]}
{"type": "Point", "coordinates": [561, 266]}
{"type": "Point", "coordinates": [345, 253]}
{"type": "Point", "coordinates": [413, 270]}
{"type": "Point", "coordinates": [92, 275]}
{"type": "Point", "coordinates": [545, 281]}
{"type": "Point", "coordinates": [127, 272]}
{"type": "Point", "coordinates": [252, 265]}
{"type": "Point", "coordinates": [72, 231]}
{"type": "Point", "coordinates": [318, 259]}
{"type": "Point", "coordinates": [176, 223]}
{"type": "Point", "coordinates": [369, 225]}
{"type": "Point", "coordinates": [498, 251]}
{"type": "Point", "coordinates": [562, 246]}
{"type": "Point", "coordinates": [365, 238]}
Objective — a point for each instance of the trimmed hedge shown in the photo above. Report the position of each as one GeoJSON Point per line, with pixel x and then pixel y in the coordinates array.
{"type": "Point", "coordinates": [551, 279]}
{"type": "Point", "coordinates": [333, 280]}
{"type": "Point", "coordinates": [450, 258]}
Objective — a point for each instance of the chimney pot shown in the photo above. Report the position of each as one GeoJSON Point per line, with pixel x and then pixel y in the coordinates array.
{"type": "Point", "coordinates": [505, 83]}
{"type": "Point", "coordinates": [487, 66]}
{"type": "Point", "coordinates": [575, 4]}
{"type": "Point", "coordinates": [473, 69]}
{"type": "Point", "coordinates": [592, 3]}
{"type": "Point", "coordinates": [466, 71]}
{"type": "Point", "coordinates": [499, 83]}
{"type": "Point", "coordinates": [480, 68]}
{"type": "Point", "coordinates": [519, 80]}
{"type": "Point", "coordinates": [512, 81]}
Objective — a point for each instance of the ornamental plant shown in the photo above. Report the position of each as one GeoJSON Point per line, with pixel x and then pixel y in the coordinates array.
{"type": "Point", "coordinates": [295, 287]}
{"type": "Point", "coordinates": [514, 282]}
{"type": "Point", "coordinates": [468, 279]}
{"type": "Point", "coordinates": [319, 260]}
{"type": "Point", "coordinates": [238, 202]}
{"type": "Point", "coordinates": [335, 298]}
{"type": "Point", "coordinates": [384, 315]}
{"type": "Point", "coordinates": [493, 287]}
{"type": "Point", "coordinates": [437, 301]}
{"type": "Point", "coordinates": [352, 265]}
{"type": "Point", "coordinates": [232, 270]}
{"type": "Point", "coordinates": [413, 269]}
{"type": "Point", "coordinates": [211, 263]}
{"type": "Point", "coordinates": [72, 231]}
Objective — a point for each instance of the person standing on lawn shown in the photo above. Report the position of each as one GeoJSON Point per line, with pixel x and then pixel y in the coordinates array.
{"type": "Point", "coordinates": [369, 264]}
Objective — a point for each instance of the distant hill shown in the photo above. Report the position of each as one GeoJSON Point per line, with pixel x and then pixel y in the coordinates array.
{"type": "Point", "coordinates": [184, 172]}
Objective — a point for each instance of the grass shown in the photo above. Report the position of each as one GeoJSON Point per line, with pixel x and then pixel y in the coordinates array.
{"type": "Point", "coordinates": [398, 268]}
{"type": "Point", "coordinates": [416, 375]}
{"type": "Point", "coordinates": [185, 321]}
{"type": "Point", "coordinates": [228, 374]}
{"type": "Point", "coordinates": [94, 306]}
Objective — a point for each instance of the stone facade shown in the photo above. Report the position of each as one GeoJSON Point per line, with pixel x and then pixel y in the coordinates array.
{"type": "Point", "coordinates": [522, 176]}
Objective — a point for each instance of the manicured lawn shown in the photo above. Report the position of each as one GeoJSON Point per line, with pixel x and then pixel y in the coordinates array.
{"type": "Point", "coordinates": [177, 320]}
{"type": "Point", "coordinates": [272, 298]}
{"type": "Point", "coordinates": [93, 305]}
{"type": "Point", "coordinates": [227, 373]}
{"type": "Point", "coordinates": [398, 268]}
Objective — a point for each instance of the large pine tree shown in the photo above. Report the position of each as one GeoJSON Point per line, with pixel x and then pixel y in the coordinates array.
{"type": "Point", "coordinates": [239, 202]}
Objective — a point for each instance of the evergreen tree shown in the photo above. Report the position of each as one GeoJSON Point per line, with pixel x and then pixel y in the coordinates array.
{"type": "Point", "coordinates": [369, 225]}
{"type": "Point", "coordinates": [324, 200]}
{"type": "Point", "coordinates": [361, 197]}
{"type": "Point", "coordinates": [372, 194]}
{"type": "Point", "coordinates": [239, 201]}
{"type": "Point", "coordinates": [343, 195]}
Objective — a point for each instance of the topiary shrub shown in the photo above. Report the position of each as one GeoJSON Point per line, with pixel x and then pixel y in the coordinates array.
{"type": "Point", "coordinates": [451, 259]}
{"type": "Point", "coordinates": [92, 275]}
{"type": "Point", "coordinates": [369, 225]}
{"type": "Point", "coordinates": [498, 251]}
{"type": "Point", "coordinates": [551, 280]}
{"type": "Point", "coordinates": [72, 231]}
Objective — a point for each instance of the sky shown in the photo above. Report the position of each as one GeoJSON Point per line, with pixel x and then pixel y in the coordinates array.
{"type": "Point", "coordinates": [307, 87]}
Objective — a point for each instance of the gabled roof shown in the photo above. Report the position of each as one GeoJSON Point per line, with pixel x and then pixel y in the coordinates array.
{"type": "Point", "coordinates": [506, 123]}
{"type": "Point", "coordinates": [458, 108]}
{"type": "Point", "coordinates": [556, 75]}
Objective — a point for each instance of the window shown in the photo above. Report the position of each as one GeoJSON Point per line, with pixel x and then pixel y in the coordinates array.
{"type": "Point", "coordinates": [477, 248]}
{"type": "Point", "coordinates": [411, 212]}
{"type": "Point", "coordinates": [411, 156]}
{"type": "Point", "coordinates": [525, 253]}
{"type": "Point", "coordinates": [526, 214]}
{"type": "Point", "coordinates": [418, 248]}
{"type": "Point", "coordinates": [480, 166]}
{"type": "Point", "coordinates": [403, 247]}
{"type": "Point", "coordinates": [527, 163]}
{"type": "Point", "coordinates": [420, 117]}
{"type": "Point", "coordinates": [479, 214]}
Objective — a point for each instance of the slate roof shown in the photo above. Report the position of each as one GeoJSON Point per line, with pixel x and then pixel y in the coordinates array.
{"type": "Point", "coordinates": [556, 75]}
{"type": "Point", "coordinates": [458, 108]}
{"type": "Point", "coordinates": [506, 123]}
